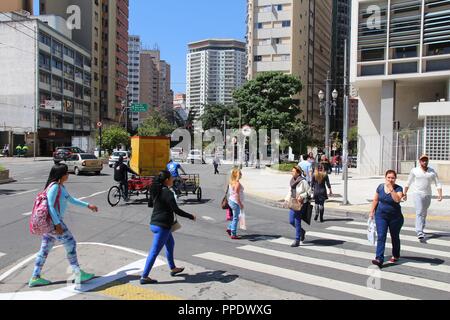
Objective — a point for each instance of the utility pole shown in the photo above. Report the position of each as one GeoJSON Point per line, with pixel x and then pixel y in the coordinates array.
{"type": "Point", "coordinates": [327, 117]}
{"type": "Point", "coordinates": [345, 135]}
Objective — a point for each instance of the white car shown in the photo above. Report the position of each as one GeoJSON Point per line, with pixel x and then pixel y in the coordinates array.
{"type": "Point", "coordinates": [115, 157]}
{"type": "Point", "coordinates": [195, 155]}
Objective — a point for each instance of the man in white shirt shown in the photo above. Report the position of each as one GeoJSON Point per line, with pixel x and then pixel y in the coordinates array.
{"type": "Point", "coordinates": [423, 177]}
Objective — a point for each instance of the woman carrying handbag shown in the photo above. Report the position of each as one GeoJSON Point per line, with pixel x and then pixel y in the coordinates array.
{"type": "Point", "coordinates": [163, 224]}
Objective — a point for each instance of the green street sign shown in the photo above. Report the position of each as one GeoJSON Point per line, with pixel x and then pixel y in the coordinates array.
{"type": "Point", "coordinates": [139, 107]}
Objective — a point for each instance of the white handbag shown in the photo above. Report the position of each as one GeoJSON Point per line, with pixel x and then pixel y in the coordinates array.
{"type": "Point", "coordinates": [371, 231]}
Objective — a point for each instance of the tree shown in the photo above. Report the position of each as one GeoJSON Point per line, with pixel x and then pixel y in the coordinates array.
{"type": "Point", "coordinates": [155, 125]}
{"type": "Point", "coordinates": [353, 140]}
{"type": "Point", "coordinates": [114, 136]}
{"type": "Point", "coordinates": [267, 102]}
{"type": "Point", "coordinates": [214, 114]}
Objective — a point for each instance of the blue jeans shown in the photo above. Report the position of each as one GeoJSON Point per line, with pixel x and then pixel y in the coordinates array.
{"type": "Point", "coordinates": [394, 223]}
{"type": "Point", "coordinates": [162, 237]}
{"type": "Point", "coordinates": [295, 219]}
{"type": "Point", "coordinates": [236, 212]}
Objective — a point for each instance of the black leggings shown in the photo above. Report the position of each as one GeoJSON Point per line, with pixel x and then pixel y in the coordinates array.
{"type": "Point", "coordinates": [320, 209]}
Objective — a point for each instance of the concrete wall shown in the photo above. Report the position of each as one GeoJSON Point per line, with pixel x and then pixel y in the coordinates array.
{"type": "Point", "coordinates": [18, 89]}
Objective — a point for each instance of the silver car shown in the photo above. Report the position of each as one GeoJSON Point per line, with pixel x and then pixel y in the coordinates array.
{"type": "Point", "coordinates": [84, 162]}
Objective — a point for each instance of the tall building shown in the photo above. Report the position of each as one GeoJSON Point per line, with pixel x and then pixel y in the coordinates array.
{"type": "Point", "coordinates": [215, 68]}
{"type": "Point", "coordinates": [293, 37]}
{"type": "Point", "coordinates": [103, 30]}
{"type": "Point", "coordinates": [400, 65]}
{"type": "Point", "coordinates": [154, 87]}
{"type": "Point", "coordinates": [179, 106]}
{"type": "Point", "coordinates": [134, 58]}
{"type": "Point", "coordinates": [42, 66]}
{"type": "Point", "coordinates": [16, 5]}
{"type": "Point", "coordinates": [341, 31]}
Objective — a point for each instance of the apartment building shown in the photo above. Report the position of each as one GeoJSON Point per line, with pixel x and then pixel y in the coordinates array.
{"type": "Point", "coordinates": [42, 66]}
{"type": "Point", "coordinates": [179, 106]}
{"type": "Point", "coordinates": [400, 65]}
{"type": "Point", "coordinates": [293, 37]}
{"type": "Point", "coordinates": [103, 30]}
{"type": "Point", "coordinates": [155, 81]}
{"type": "Point", "coordinates": [16, 5]}
{"type": "Point", "coordinates": [134, 58]}
{"type": "Point", "coordinates": [215, 68]}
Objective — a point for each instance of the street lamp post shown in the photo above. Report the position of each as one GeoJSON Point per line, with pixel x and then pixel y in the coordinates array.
{"type": "Point", "coordinates": [327, 106]}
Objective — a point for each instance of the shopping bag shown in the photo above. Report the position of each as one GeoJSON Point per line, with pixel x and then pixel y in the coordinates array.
{"type": "Point", "coordinates": [371, 232]}
{"type": "Point", "coordinates": [242, 222]}
{"type": "Point", "coordinates": [229, 215]}
{"type": "Point", "coordinates": [306, 214]}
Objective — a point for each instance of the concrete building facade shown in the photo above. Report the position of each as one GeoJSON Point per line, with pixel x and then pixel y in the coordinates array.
{"type": "Point", "coordinates": [293, 37]}
{"type": "Point", "coordinates": [400, 65]}
{"type": "Point", "coordinates": [46, 84]}
{"type": "Point", "coordinates": [134, 58]}
{"type": "Point", "coordinates": [16, 5]}
{"type": "Point", "coordinates": [215, 68]}
{"type": "Point", "coordinates": [179, 106]}
{"type": "Point", "coordinates": [103, 30]}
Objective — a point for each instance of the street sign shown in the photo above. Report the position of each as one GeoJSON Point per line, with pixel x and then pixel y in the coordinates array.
{"type": "Point", "coordinates": [139, 107]}
{"type": "Point", "coordinates": [246, 131]}
{"type": "Point", "coordinates": [99, 124]}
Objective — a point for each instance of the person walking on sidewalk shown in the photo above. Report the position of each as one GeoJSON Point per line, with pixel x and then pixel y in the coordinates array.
{"type": "Point", "coordinates": [58, 198]}
{"type": "Point", "coordinates": [387, 212]}
{"type": "Point", "coordinates": [235, 201]}
{"type": "Point", "coordinates": [306, 167]}
{"type": "Point", "coordinates": [320, 182]}
{"type": "Point", "coordinates": [163, 218]}
{"type": "Point", "coordinates": [312, 160]}
{"type": "Point", "coordinates": [216, 163]}
{"type": "Point", "coordinates": [299, 192]}
{"type": "Point", "coordinates": [423, 177]}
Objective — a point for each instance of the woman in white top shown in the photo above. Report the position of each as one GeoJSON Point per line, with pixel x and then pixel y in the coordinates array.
{"type": "Point", "coordinates": [235, 201]}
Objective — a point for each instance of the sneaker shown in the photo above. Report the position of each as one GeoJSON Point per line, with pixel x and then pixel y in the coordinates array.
{"type": "Point", "coordinates": [303, 235]}
{"type": "Point", "coordinates": [235, 238]}
{"type": "Point", "coordinates": [393, 260]}
{"type": "Point", "coordinates": [38, 282]}
{"type": "Point", "coordinates": [295, 244]}
{"type": "Point", "coordinates": [422, 239]}
{"type": "Point", "coordinates": [176, 271]}
{"type": "Point", "coordinates": [378, 263]}
{"type": "Point", "coordinates": [83, 277]}
{"type": "Point", "coordinates": [144, 281]}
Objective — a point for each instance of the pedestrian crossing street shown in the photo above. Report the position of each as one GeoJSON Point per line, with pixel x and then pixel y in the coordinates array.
{"type": "Point", "coordinates": [338, 259]}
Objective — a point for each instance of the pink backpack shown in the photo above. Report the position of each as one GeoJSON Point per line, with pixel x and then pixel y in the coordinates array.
{"type": "Point", "coordinates": [40, 220]}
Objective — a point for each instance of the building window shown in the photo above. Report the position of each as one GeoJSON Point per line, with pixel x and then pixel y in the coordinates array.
{"type": "Point", "coordinates": [259, 25]}
{"type": "Point", "coordinates": [44, 78]}
{"type": "Point", "coordinates": [57, 49]}
{"type": "Point", "coordinates": [57, 64]}
{"type": "Point", "coordinates": [258, 58]}
{"type": "Point", "coordinates": [69, 52]}
{"type": "Point", "coordinates": [279, 7]}
{"type": "Point", "coordinates": [57, 84]}
{"type": "Point", "coordinates": [286, 23]}
{"type": "Point", "coordinates": [68, 85]}
{"type": "Point", "coordinates": [45, 39]}
{"type": "Point", "coordinates": [44, 61]}
{"type": "Point", "coordinates": [68, 71]}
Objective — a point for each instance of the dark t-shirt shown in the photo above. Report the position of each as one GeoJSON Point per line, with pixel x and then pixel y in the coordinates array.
{"type": "Point", "coordinates": [387, 205]}
{"type": "Point", "coordinates": [164, 208]}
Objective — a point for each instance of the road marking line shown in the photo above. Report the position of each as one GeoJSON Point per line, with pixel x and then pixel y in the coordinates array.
{"type": "Point", "coordinates": [132, 292]}
{"type": "Point", "coordinates": [93, 195]}
{"type": "Point", "coordinates": [313, 280]}
{"type": "Point", "coordinates": [70, 291]}
{"type": "Point", "coordinates": [27, 213]}
{"type": "Point", "coordinates": [28, 178]}
{"type": "Point", "coordinates": [208, 218]}
{"type": "Point", "coordinates": [363, 255]}
{"type": "Point", "coordinates": [2, 254]}
{"type": "Point", "coordinates": [402, 237]}
{"type": "Point", "coordinates": [355, 223]}
{"type": "Point", "coordinates": [330, 236]}
{"type": "Point", "coordinates": [421, 282]}
{"type": "Point", "coordinates": [21, 193]}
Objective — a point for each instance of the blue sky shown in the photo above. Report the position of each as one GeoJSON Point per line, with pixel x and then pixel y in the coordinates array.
{"type": "Point", "coordinates": [172, 24]}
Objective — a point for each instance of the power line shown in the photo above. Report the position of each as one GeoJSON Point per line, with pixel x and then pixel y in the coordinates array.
{"type": "Point", "coordinates": [15, 28]}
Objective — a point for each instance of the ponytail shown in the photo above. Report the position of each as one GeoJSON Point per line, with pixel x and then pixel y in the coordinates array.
{"type": "Point", "coordinates": [158, 183]}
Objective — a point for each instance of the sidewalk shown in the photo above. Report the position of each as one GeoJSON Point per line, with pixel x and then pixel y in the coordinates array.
{"type": "Point", "coordinates": [23, 160]}
{"type": "Point", "coordinates": [273, 186]}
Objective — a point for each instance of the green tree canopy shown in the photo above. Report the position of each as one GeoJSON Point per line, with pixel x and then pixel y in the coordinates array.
{"type": "Point", "coordinates": [114, 136]}
{"type": "Point", "coordinates": [214, 114]}
{"type": "Point", "coordinates": [155, 125]}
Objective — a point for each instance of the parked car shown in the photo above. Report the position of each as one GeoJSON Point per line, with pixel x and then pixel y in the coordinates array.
{"type": "Point", "coordinates": [64, 153]}
{"type": "Point", "coordinates": [84, 162]}
{"type": "Point", "coordinates": [115, 157]}
{"type": "Point", "coordinates": [195, 155]}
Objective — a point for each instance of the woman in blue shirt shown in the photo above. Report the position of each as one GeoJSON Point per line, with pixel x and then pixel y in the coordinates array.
{"type": "Point", "coordinates": [58, 198]}
{"type": "Point", "coordinates": [388, 214]}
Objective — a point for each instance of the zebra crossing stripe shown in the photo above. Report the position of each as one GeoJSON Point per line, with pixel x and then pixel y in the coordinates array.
{"type": "Point", "coordinates": [349, 288]}
{"type": "Point", "coordinates": [2, 254]}
{"type": "Point", "coordinates": [363, 255]}
{"type": "Point", "coordinates": [355, 223]}
{"type": "Point", "coordinates": [385, 275]}
{"type": "Point", "coordinates": [364, 242]}
{"type": "Point", "coordinates": [437, 242]}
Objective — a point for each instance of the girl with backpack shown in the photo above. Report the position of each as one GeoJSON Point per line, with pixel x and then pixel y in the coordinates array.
{"type": "Point", "coordinates": [58, 198]}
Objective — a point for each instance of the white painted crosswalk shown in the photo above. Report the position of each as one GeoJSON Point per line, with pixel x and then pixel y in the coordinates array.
{"type": "Point", "coordinates": [2, 254]}
{"type": "Point", "coordinates": [332, 266]}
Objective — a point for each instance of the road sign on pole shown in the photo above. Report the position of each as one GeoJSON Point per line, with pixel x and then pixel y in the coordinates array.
{"type": "Point", "coordinates": [139, 107]}
{"type": "Point", "coordinates": [99, 124]}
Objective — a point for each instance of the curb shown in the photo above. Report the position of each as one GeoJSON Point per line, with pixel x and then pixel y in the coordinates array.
{"type": "Point", "coordinates": [10, 180]}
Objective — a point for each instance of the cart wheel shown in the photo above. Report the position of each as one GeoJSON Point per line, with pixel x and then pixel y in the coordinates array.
{"type": "Point", "coordinates": [114, 195]}
{"type": "Point", "coordinates": [199, 194]}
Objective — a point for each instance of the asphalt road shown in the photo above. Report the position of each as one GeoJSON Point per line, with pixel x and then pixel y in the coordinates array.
{"type": "Point", "coordinates": [333, 263]}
